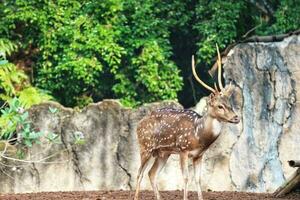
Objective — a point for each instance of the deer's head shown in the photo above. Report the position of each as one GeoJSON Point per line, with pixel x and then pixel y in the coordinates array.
{"type": "Point", "coordinates": [219, 105]}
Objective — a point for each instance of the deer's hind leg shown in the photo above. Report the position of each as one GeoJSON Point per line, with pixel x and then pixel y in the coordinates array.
{"type": "Point", "coordinates": [185, 172]}
{"type": "Point", "coordinates": [158, 165]}
{"type": "Point", "coordinates": [145, 161]}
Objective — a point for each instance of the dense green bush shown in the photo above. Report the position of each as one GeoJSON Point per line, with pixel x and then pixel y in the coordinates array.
{"type": "Point", "coordinates": [82, 51]}
{"type": "Point", "coordinates": [135, 50]}
{"type": "Point", "coordinates": [217, 22]}
{"type": "Point", "coordinates": [16, 95]}
{"type": "Point", "coordinates": [14, 82]}
{"type": "Point", "coordinates": [287, 17]}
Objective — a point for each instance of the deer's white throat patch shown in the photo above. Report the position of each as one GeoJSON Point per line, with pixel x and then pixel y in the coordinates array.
{"type": "Point", "coordinates": [216, 127]}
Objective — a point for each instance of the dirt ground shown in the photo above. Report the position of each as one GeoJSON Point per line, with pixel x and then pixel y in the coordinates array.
{"type": "Point", "coordinates": [145, 195]}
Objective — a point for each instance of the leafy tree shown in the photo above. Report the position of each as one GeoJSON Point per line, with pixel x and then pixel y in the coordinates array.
{"type": "Point", "coordinates": [14, 82]}
{"type": "Point", "coordinates": [217, 23]}
{"type": "Point", "coordinates": [82, 52]}
{"type": "Point", "coordinates": [134, 50]}
{"type": "Point", "coordinates": [287, 17]}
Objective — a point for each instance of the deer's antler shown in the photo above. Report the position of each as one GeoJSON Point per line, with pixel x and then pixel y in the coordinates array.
{"type": "Point", "coordinates": [198, 79]}
{"type": "Point", "coordinates": [219, 62]}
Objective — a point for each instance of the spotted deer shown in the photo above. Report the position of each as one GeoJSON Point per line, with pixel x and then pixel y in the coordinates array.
{"type": "Point", "coordinates": [177, 131]}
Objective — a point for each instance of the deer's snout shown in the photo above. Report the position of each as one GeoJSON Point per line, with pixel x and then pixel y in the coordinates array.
{"type": "Point", "coordinates": [235, 119]}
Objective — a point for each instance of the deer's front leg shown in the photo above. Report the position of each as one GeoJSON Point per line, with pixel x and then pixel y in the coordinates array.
{"type": "Point", "coordinates": [185, 172]}
{"type": "Point", "coordinates": [197, 172]}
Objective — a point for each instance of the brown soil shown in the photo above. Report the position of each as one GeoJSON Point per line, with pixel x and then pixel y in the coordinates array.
{"type": "Point", "coordinates": [145, 195]}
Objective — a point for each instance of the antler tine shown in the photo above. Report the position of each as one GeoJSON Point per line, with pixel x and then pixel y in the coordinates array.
{"type": "Point", "coordinates": [216, 87]}
{"type": "Point", "coordinates": [219, 62]}
{"type": "Point", "coordinates": [197, 77]}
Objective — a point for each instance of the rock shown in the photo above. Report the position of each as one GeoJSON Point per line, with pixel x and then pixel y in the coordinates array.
{"type": "Point", "coordinates": [253, 156]}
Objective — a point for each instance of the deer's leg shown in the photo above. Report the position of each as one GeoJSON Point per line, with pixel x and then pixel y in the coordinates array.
{"type": "Point", "coordinates": [185, 172]}
{"type": "Point", "coordinates": [197, 172]}
{"type": "Point", "coordinates": [158, 165]}
{"type": "Point", "coordinates": [145, 160]}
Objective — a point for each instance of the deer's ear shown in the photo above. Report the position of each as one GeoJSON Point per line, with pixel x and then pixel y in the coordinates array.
{"type": "Point", "coordinates": [211, 97]}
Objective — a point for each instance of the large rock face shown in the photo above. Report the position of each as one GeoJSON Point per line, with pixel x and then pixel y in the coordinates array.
{"type": "Point", "coordinates": [250, 156]}
{"type": "Point", "coordinates": [109, 158]}
{"type": "Point", "coordinates": [253, 156]}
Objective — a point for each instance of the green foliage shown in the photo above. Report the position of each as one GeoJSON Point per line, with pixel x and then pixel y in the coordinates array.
{"type": "Point", "coordinates": [134, 50]}
{"type": "Point", "coordinates": [79, 138]}
{"type": "Point", "coordinates": [10, 79]}
{"type": "Point", "coordinates": [287, 17]}
{"type": "Point", "coordinates": [15, 119]}
{"type": "Point", "coordinates": [10, 76]}
{"type": "Point", "coordinates": [155, 74]}
{"type": "Point", "coordinates": [31, 96]}
{"type": "Point", "coordinates": [53, 110]}
{"type": "Point", "coordinates": [224, 22]}
{"type": "Point", "coordinates": [73, 64]}
{"type": "Point", "coordinates": [53, 138]}
{"type": "Point", "coordinates": [6, 48]}
{"type": "Point", "coordinates": [82, 51]}
{"type": "Point", "coordinates": [14, 82]}
{"type": "Point", "coordinates": [83, 100]}
{"type": "Point", "coordinates": [217, 24]}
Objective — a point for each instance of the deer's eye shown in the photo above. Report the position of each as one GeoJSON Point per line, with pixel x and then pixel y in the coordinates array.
{"type": "Point", "coordinates": [220, 107]}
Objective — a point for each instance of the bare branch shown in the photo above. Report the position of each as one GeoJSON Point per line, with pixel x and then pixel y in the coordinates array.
{"type": "Point", "coordinates": [251, 30]}
{"type": "Point", "coordinates": [42, 160]}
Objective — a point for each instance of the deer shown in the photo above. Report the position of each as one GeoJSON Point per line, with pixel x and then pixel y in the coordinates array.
{"type": "Point", "coordinates": [169, 131]}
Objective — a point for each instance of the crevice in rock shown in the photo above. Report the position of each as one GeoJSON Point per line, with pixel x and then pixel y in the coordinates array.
{"type": "Point", "coordinates": [124, 169]}
{"type": "Point", "coordinates": [35, 173]}
{"type": "Point", "coordinates": [72, 152]}
{"type": "Point", "coordinates": [77, 169]}
{"type": "Point", "coordinates": [123, 140]}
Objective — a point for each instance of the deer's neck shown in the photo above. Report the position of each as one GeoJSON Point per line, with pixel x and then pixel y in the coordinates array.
{"type": "Point", "coordinates": [211, 126]}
